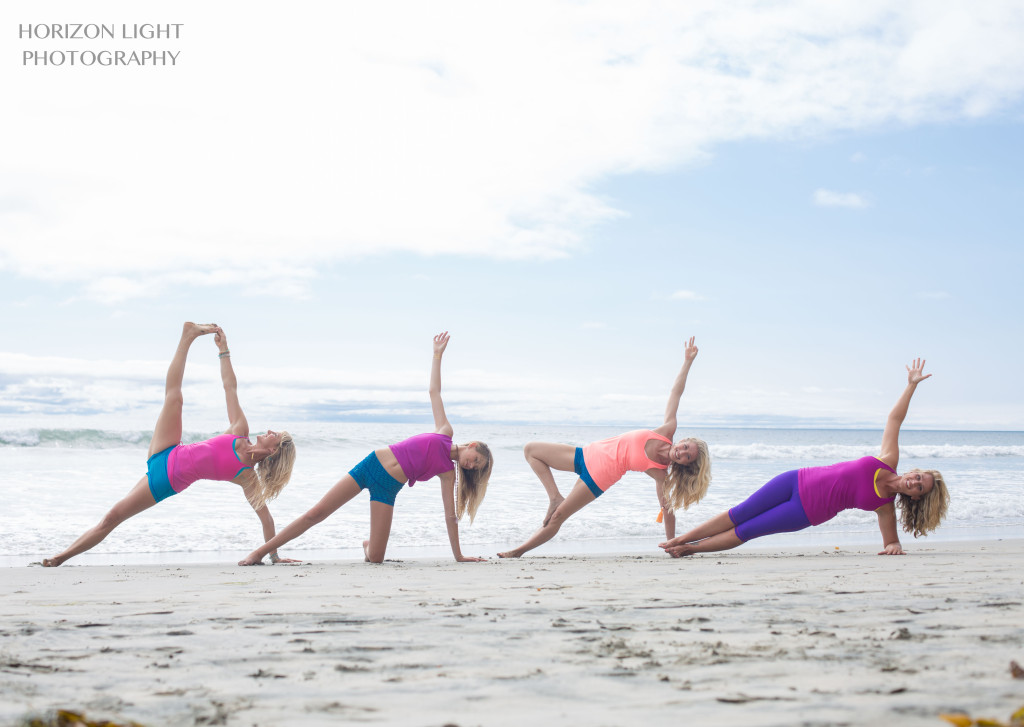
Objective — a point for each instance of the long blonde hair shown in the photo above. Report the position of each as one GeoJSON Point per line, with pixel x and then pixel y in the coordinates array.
{"type": "Point", "coordinates": [924, 514]}
{"type": "Point", "coordinates": [688, 483]}
{"type": "Point", "coordinates": [472, 484]}
{"type": "Point", "coordinates": [273, 472]}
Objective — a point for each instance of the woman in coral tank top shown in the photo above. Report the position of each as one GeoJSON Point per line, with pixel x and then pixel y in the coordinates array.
{"type": "Point", "coordinates": [681, 470]}
{"type": "Point", "coordinates": [261, 469]}
{"type": "Point", "coordinates": [810, 496]}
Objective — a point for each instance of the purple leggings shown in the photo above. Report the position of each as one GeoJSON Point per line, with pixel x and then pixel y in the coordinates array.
{"type": "Point", "coordinates": [775, 508]}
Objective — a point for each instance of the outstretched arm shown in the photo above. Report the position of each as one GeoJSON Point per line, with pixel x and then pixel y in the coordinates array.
{"type": "Point", "coordinates": [890, 534]}
{"type": "Point", "coordinates": [267, 523]}
{"type": "Point", "coordinates": [452, 523]}
{"type": "Point", "coordinates": [891, 436]}
{"type": "Point", "coordinates": [441, 425]}
{"type": "Point", "coordinates": [667, 514]}
{"type": "Point", "coordinates": [238, 425]}
{"type": "Point", "coordinates": [668, 428]}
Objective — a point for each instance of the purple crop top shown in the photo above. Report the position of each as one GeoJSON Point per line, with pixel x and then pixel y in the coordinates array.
{"type": "Point", "coordinates": [826, 491]}
{"type": "Point", "coordinates": [424, 456]}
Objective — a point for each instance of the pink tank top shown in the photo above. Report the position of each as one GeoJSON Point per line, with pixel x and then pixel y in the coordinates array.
{"type": "Point", "coordinates": [424, 456]}
{"type": "Point", "coordinates": [214, 459]}
{"type": "Point", "coordinates": [609, 459]}
{"type": "Point", "coordinates": [827, 491]}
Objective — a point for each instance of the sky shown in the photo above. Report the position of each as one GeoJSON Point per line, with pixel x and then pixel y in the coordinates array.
{"type": "Point", "coordinates": [819, 192]}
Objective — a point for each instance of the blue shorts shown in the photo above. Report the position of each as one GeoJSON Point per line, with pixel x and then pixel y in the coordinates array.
{"type": "Point", "coordinates": [580, 468]}
{"type": "Point", "coordinates": [371, 475]}
{"type": "Point", "coordinates": [156, 471]}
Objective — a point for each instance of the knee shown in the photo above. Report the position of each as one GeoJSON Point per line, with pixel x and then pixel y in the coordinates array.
{"type": "Point", "coordinates": [112, 519]}
{"type": "Point", "coordinates": [558, 517]}
{"type": "Point", "coordinates": [314, 516]}
{"type": "Point", "coordinates": [529, 451]}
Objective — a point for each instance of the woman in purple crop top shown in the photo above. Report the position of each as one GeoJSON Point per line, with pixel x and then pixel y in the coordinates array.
{"type": "Point", "coordinates": [261, 469]}
{"type": "Point", "coordinates": [463, 469]}
{"type": "Point", "coordinates": [681, 470]}
{"type": "Point", "coordinates": [798, 499]}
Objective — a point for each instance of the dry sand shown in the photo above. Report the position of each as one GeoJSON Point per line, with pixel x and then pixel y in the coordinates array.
{"type": "Point", "coordinates": [750, 637]}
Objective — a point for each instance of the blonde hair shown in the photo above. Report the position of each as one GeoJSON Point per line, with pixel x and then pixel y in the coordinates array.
{"type": "Point", "coordinates": [472, 484]}
{"type": "Point", "coordinates": [688, 483]}
{"type": "Point", "coordinates": [924, 514]}
{"type": "Point", "coordinates": [273, 472]}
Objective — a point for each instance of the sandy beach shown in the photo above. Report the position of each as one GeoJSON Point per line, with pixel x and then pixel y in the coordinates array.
{"type": "Point", "coordinates": [752, 637]}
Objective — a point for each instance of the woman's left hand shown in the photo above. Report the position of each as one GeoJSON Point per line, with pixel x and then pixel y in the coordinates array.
{"type": "Point", "coordinates": [221, 339]}
{"type": "Point", "coordinates": [470, 559]}
{"type": "Point", "coordinates": [893, 549]}
{"type": "Point", "coordinates": [285, 560]}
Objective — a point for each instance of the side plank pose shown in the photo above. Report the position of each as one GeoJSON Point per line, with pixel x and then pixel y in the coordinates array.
{"type": "Point", "coordinates": [798, 499]}
{"type": "Point", "coordinates": [261, 469]}
{"type": "Point", "coordinates": [384, 471]}
{"type": "Point", "coordinates": [681, 470]}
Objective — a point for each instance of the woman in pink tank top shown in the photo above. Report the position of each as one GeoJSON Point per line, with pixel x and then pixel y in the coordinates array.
{"type": "Point", "coordinates": [385, 471]}
{"type": "Point", "coordinates": [801, 498]}
{"type": "Point", "coordinates": [681, 471]}
{"type": "Point", "coordinates": [261, 469]}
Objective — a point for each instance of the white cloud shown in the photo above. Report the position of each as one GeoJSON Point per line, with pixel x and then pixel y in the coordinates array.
{"type": "Point", "coordinates": [345, 129]}
{"type": "Point", "coordinates": [828, 198]}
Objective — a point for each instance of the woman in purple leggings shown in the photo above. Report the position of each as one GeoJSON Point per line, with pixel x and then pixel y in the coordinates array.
{"type": "Point", "coordinates": [798, 499]}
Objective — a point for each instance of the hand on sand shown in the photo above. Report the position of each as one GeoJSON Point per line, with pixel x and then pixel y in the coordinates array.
{"type": "Point", "coordinates": [892, 549]}
{"type": "Point", "coordinates": [279, 561]}
{"type": "Point", "coordinates": [470, 559]}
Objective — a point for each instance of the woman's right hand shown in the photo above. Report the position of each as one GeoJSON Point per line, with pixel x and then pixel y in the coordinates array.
{"type": "Point", "coordinates": [915, 372]}
{"type": "Point", "coordinates": [691, 350]}
{"type": "Point", "coordinates": [440, 343]}
{"type": "Point", "coordinates": [221, 339]}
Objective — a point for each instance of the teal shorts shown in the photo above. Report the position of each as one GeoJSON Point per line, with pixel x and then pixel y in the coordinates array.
{"type": "Point", "coordinates": [580, 468]}
{"type": "Point", "coordinates": [371, 475]}
{"type": "Point", "coordinates": [159, 482]}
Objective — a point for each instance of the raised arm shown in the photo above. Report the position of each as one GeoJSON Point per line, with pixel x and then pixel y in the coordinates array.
{"type": "Point", "coordinates": [450, 520]}
{"type": "Point", "coordinates": [238, 425]}
{"type": "Point", "coordinates": [668, 428]}
{"type": "Point", "coordinates": [891, 436]}
{"type": "Point", "coordinates": [441, 425]}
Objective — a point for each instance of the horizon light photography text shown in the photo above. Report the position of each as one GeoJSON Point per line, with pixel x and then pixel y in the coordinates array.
{"type": "Point", "coordinates": [51, 32]}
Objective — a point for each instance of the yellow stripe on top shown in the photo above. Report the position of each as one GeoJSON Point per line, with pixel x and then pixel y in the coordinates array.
{"type": "Point", "coordinates": [876, 483]}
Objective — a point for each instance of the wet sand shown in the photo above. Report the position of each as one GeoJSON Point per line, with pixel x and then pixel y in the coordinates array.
{"type": "Point", "coordinates": [751, 637]}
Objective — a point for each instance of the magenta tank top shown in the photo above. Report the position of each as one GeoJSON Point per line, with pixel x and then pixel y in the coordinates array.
{"type": "Point", "coordinates": [826, 491]}
{"type": "Point", "coordinates": [214, 459]}
{"type": "Point", "coordinates": [424, 456]}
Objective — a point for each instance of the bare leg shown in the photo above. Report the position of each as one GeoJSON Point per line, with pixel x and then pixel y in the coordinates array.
{"type": "Point", "coordinates": [718, 524]}
{"type": "Point", "coordinates": [542, 457]}
{"type": "Point", "coordinates": [380, 530]}
{"type": "Point", "coordinates": [576, 501]}
{"type": "Point", "coordinates": [721, 541]}
{"type": "Point", "coordinates": [167, 432]}
{"type": "Point", "coordinates": [343, 490]}
{"type": "Point", "coordinates": [139, 499]}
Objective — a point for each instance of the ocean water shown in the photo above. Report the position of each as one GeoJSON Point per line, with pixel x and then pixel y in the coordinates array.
{"type": "Point", "coordinates": [58, 482]}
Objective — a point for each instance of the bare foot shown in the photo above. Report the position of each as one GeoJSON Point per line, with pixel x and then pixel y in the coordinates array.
{"type": "Point", "coordinates": [366, 550]}
{"type": "Point", "coordinates": [51, 562]}
{"type": "Point", "coordinates": [193, 331]}
{"type": "Point", "coordinates": [555, 502]}
{"type": "Point", "coordinates": [510, 554]}
{"type": "Point", "coordinates": [250, 561]}
{"type": "Point", "coordinates": [678, 551]}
